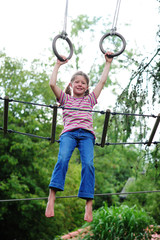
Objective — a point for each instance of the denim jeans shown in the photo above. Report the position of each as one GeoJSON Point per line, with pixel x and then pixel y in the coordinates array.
{"type": "Point", "coordinates": [84, 140]}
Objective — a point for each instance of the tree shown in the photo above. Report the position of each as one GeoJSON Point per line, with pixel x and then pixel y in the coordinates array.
{"type": "Point", "coordinates": [26, 163]}
{"type": "Point", "coordinates": [149, 181]}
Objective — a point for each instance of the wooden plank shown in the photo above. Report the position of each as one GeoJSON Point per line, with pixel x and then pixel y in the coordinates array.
{"type": "Point", "coordinates": [105, 127]}
{"type": "Point", "coordinates": [5, 119]}
{"type": "Point", "coordinates": [154, 130]}
{"type": "Point", "coordinates": [54, 120]}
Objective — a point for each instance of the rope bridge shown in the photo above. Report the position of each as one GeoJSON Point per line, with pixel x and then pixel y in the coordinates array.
{"type": "Point", "coordinates": [52, 139]}
{"type": "Point", "coordinates": [107, 114]}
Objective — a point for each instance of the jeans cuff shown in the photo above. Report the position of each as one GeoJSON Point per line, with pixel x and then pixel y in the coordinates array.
{"type": "Point", "coordinates": [56, 187]}
{"type": "Point", "coordinates": [86, 195]}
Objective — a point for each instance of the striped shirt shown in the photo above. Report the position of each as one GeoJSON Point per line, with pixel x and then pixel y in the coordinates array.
{"type": "Point", "coordinates": [74, 119]}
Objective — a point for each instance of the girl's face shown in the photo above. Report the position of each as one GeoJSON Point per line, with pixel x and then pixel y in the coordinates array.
{"type": "Point", "coordinates": [79, 86]}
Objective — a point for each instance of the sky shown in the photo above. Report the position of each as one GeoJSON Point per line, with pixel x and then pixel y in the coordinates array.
{"type": "Point", "coordinates": [27, 26]}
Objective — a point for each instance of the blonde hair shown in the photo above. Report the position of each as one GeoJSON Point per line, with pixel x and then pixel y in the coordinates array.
{"type": "Point", "coordinates": [68, 88]}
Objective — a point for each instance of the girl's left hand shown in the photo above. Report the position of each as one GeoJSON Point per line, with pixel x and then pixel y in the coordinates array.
{"type": "Point", "coordinates": [108, 59]}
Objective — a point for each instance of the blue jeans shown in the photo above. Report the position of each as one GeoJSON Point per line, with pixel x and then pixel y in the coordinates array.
{"type": "Point", "coordinates": [84, 140]}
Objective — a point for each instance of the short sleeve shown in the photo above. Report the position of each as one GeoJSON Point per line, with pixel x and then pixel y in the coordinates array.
{"type": "Point", "coordinates": [93, 99]}
{"type": "Point", "coordinates": [62, 98]}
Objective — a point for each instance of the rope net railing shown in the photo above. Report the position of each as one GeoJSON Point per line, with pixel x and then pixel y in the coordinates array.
{"type": "Point", "coordinates": [103, 143]}
{"type": "Point", "coordinates": [77, 109]}
{"type": "Point", "coordinates": [55, 107]}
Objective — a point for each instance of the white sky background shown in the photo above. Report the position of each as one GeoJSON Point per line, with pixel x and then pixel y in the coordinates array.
{"type": "Point", "coordinates": [26, 26]}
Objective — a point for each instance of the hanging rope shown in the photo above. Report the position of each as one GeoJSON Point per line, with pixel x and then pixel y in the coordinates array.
{"type": "Point", "coordinates": [113, 33]}
{"type": "Point", "coordinates": [115, 19]}
{"type": "Point", "coordinates": [63, 36]}
{"type": "Point", "coordinates": [65, 19]}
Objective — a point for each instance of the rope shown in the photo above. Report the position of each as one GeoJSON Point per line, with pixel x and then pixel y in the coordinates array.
{"type": "Point", "coordinates": [65, 18]}
{"type": "Point", "coordinates": [75, 196]}
{"type": "Point", "coordinates": [127, 143]}
{"type": "Point", "coordinates": [135, 114]}
{"type": "Point", "coordinates": [115, 19]}
{"type": "Point", "coordinates": [30, 103]}
{"type": "Point", "coordinates": [84, 110]}
{"type": "Point", "coordinates": [27, 134]}
{"type": "Point", "coordinates": [96, 144]}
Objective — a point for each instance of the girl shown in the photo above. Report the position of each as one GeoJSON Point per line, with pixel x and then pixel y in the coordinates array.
{"type": "Point", "coordinates": [78, 132]}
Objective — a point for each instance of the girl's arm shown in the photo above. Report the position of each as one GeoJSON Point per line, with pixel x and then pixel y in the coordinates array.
{"type": "Point", "coordinates": [104, 76]}
{"type": "Point", "coordinates": [53, 79]}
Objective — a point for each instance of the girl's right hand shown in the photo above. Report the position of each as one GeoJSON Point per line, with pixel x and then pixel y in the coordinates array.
{"type": "Point", "coordinates": [62, 62]}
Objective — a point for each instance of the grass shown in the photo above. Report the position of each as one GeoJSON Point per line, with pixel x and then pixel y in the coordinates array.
{"type": "Point", "coordinates": [120, 223]}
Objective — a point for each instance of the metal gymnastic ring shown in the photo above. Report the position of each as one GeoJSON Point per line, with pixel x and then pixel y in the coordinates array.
{"type": "Point", "coordinates": [112, 34]}
{"type": "Point", "coordinates": [55, 50]}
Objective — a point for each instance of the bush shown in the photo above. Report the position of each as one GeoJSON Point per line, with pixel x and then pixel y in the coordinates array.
{"type": "Point", "coordinates": [119, 223]}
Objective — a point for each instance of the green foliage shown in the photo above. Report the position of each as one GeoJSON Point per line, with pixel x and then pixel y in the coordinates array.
{"type": "Point", "coordinates": [121, 223]}
{"type": "Point", "coordinates": [114, 164]}
{"type": "Point", "coordinates": [113, 167]}
{"type": "Point", "coordinates": [149, 181]}
{"type": "Point", "coordinates": [17, 82]}
{"type": "Point", "coordinates": [141, 93]}
{"type": "Point", "coordinates": [81, 27]}
{"type": "Point", "coordinates": [82, 23]}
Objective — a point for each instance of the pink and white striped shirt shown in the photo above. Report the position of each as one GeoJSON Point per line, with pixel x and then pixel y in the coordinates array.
{"type": "Point", "coordinates": [74, 119]}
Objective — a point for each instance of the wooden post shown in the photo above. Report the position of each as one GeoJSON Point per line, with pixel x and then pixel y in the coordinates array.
{"type": "Point", "coordinates": [105, 126]}
{"type": "Point", "coordinates": [5, 119]}
{"type": "Point", "coordinates": [54, 120]}
{"type": "Point", "coordinates": [154, 130]}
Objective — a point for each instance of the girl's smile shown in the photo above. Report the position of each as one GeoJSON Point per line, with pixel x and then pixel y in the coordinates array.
{"type": "Point", "coordinates": [79, 86]}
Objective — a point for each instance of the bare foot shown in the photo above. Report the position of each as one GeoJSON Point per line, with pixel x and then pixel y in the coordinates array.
{"type": "Point", "coordinates": [88, 211]}
{"type": "Point", "coordinates": [50, 205]}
